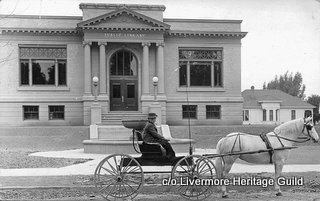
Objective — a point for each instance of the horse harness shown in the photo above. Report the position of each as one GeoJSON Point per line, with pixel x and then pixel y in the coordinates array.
{"type": "Point", "coordinates": [264, 138]}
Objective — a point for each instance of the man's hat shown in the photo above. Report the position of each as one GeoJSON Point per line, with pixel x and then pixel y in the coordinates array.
{"type": "Point", "coordinates": [152, 115]}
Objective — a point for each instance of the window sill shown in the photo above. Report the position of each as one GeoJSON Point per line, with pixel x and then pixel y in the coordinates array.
{"type": "Point", "coordinates": [43, 88]}
{"type": "Point", "coordinates": [200, 89]}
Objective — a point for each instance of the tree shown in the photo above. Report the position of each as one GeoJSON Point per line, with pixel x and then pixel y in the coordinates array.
{"type": "Point", "coordinates": [315, 100]}
{"type": "Point", "coordinates": [288, 83]}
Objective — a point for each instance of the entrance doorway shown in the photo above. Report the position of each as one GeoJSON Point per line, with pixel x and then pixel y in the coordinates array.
{"type": "Point", "coordinates": [123, 81]}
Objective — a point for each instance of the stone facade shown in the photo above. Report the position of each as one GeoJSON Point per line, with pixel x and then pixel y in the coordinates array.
{"type": "Point", "coordinates": [99, 43]}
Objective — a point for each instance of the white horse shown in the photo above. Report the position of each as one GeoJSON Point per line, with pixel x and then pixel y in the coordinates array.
{"type": "Point", "coordinates": [283, 135]}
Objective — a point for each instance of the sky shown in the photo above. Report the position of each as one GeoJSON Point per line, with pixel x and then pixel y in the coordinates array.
{"type": "Point", "coordinates": [283, 35]}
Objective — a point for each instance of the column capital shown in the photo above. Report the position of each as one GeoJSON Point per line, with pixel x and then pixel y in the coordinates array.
{"type": "Point", "coordinates": [84, 43]}
{"type": "Point", "coordinates": [102, 43]}
{"type": "Point", "coordinates": [146, 44]}
{"type": "Point", "coordinates": [160, 44]}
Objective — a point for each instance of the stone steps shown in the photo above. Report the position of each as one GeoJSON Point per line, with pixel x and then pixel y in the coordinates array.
{"type": "Point", "coordinates": [116, 118]}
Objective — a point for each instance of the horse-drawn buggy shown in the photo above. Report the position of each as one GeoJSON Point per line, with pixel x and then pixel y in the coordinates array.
{"type": "Point", "coordinates": [121, 176]}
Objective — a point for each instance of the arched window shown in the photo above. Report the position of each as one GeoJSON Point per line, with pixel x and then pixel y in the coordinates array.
{"type": "Point", "coordinates": [123, 63]}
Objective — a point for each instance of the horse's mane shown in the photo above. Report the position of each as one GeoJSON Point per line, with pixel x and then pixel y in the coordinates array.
{"type": "Point", "coordinates": [288, 127]}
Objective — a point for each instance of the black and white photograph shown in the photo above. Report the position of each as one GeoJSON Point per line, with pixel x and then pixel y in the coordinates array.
{"type": "Point", "coordinates": [116, 100]}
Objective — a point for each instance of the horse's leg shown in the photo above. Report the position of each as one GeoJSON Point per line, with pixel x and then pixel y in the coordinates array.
{"type": "Point", "coordinates": [224, 170]}
{"type": "Point", "coordinates": [219, 168]}
{"type": "Point", "coordinates": [279, 158]}
{"type": "Point", "coordinates": [278, 169]}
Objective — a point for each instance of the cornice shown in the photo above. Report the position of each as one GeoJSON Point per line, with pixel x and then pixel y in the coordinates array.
{"type": "Point", "coordinates": [187, 33]}
{"type": "Point", "coordinates": [124, 28]}
{"type": "Point", "coordinates": [202, 20]}
{"type": "Point", "coordinates": [118, 6]}
{"type": "Point", "coordinates": [39, 31]}
{"type": "Point", "coordinates": [78, 18]}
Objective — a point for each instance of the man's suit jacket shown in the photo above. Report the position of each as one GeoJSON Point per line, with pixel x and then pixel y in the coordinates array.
{"type": "Point", "coordinates": [150, 133]}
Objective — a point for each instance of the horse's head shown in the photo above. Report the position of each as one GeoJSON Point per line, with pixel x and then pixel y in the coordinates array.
{"type": "Point", "coordinates": [308, 129]}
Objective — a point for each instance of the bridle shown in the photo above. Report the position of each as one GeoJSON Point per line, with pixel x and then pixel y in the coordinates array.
{"type": "Point", "coordinates": [306, 125]}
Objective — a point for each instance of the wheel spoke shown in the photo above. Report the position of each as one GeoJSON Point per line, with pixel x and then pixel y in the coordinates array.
{"type": "Point", "coordinates": [135, 169]}
{"type": "Point", "coordinates": [114, 170]}
{"type": "Point", "coordinates": [134, 190]}
{"type": "Point", "coordinates": [132, 181]}
{"type": "Point", "coordinates": [202, 173]}
{"type": "Point", "coordinates": [105, 181]}
{"type": "Point", "coordinates": [111, 172]}
{"type": "Point", "coordinates": [128, 165]}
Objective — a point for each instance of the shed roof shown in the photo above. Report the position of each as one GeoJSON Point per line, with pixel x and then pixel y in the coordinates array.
{"type": "Point", "coordinates": [252, 98]}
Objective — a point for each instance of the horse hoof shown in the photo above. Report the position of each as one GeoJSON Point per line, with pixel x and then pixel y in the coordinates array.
{"type": "Point", "coordinates": [279, 194]}
{"type": "Point", "coordinates": [225, 196]}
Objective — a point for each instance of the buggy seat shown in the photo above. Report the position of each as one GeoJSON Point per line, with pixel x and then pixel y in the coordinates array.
{"type": "Point", "coordinates": [147, 149]}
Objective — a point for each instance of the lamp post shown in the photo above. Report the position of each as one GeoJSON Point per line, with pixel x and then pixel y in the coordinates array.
{"type": "Point", "coordinates": [155, 81]}
{"type": "Point", "coordinates": [95, 81]}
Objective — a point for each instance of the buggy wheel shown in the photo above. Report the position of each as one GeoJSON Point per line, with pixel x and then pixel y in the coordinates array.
{"type": "Point", "coordinates": [118, 176]}
{"type": "Point", "coordinates": [193, 175]}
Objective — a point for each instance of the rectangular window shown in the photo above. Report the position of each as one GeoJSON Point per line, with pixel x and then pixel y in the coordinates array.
{"type": "Point", "coordinates": [30, 112]}
{"type": "Point", "coordinates": [293, 114]}
{"type": "Point", "coordinates": [56, 112]}
{"type": "Point", "coordinates": [270, 115]}
{"type": "Point", "coordinates": [183, 73]}
{"type": "Point", "coordinates": [213, 111]}
{"type": "Point", "coordinates": [24, 79]}
{"type": "Point", "coordinates": [43, 66]}
{"type": "Point", "coordinates": [264, 115]}
{"type": "Point", "coordinates": [200, 74]}
{"type": "Point", "coordinates": [217, 74]}
{"type": "Point", "coordinates": [189, 111]}
{"type": "Point", "coordinates": [198, 68]}
{"type": "Point", "coordinates": [43, 72]}
{"type": "Point", "coordinates": [245, 115]}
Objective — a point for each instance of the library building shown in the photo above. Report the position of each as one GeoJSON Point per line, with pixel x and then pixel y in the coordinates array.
{"type": "Point", "coordinates": [119, 61]}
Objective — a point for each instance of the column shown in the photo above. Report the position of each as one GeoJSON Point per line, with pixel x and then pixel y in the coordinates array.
{"type": "Point", "coordinates": [145, 68]}
{"type": "Point", "coordinates": [102, 69]}
{"type": "Point", "coordinates": [87, 67]}
{"type": "Point", "coordinates": [160, 67]}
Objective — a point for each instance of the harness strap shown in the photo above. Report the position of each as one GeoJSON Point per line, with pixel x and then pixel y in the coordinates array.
{"type": "Point", "coordinates": [266, 140]}
{"type": "Point", "coordinates": [234, 143]}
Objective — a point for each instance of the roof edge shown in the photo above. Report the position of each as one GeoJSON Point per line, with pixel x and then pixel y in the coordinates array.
{"type": "Point", "coordinates": [201, 20]}
{"type": "Point", "coordinates": [60, 17]}
{"type": "Point", "coordinates": [117, 6]}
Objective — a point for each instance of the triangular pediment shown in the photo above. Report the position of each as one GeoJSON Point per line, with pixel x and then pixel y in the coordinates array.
{"type": "Point", "coordinates": [124, 19]}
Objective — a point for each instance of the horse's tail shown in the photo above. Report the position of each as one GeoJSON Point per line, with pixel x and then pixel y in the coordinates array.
{"type": "Point", "coordinates": [219, 162]}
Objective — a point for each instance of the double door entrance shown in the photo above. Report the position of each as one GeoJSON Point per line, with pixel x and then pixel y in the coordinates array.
{"type": "Point", "coordinates": [123, 94]}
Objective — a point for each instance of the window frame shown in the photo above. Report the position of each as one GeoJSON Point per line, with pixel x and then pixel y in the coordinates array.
{"type": "Point", "coordinates": [270, 115]}
{"type": "Point", "coordinates": [56, 53]}
{"type": "Point", "coordinates": [264, 115]}
{"type": "Point", "coordinates": [210, 113]}
{"type": "Point", "coordinates": [212, 61]}
{"type": "Point", "coordinates": [246, 114]}
{"type": "Point", "coordinates": [293, 114]}
{"type": "Point", "coordinates": [28, 112]}
{"type": "Point", "coordinates": [116, 64]}
{"type": "Point", "coordinates": [51, 117]}
{"type": "Point", "coordinates": [186, 114]}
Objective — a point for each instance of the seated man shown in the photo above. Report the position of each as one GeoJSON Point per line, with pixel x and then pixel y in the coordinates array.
{"type": "Point", "coordinates": [150, 134]}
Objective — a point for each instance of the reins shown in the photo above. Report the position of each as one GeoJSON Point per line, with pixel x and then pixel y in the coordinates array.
{"type": "Point", "coordinates": [291, 140]}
